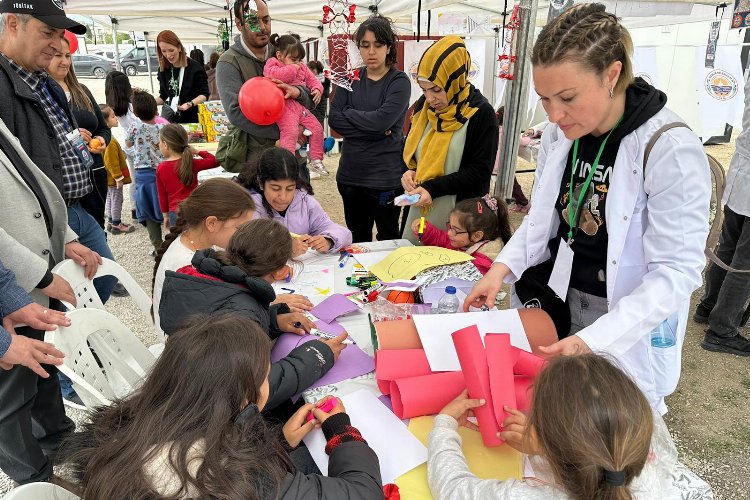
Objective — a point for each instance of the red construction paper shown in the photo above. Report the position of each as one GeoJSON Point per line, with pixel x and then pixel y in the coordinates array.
{"type": "Point", "coordinates": [471, 356]}
{"type": "Point", "coordinates": [394, 364]}
{"type": "Point", "coordinates": [397, 334]}
{"type": "Point", "coordinates": [500, 367]}
{"type": "Point", "coordinates": [426, 394]}
{"type": "Point", "coordinates": [524, 392]}
{"type": "Point", "coordinates": [526, 363]}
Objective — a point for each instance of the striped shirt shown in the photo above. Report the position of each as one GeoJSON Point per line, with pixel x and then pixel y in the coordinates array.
{"type": "Point", "coordinates": [76, 180]}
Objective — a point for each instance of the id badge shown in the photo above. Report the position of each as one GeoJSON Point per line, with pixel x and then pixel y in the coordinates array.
{"type": "Point", "coordinates": [559, 280]}
{"type": "Point", "coordinates": [173, 103]}
{"type": "Point", "coordinates": [80, 148]}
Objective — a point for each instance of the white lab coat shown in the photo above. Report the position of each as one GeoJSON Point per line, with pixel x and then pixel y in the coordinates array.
{"type": "Point", "coordinates": [657, 228]}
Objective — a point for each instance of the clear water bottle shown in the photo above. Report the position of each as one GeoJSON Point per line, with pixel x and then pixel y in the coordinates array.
{"type": "Point", "coordinates": [448, 303]}
{"type": "Point", "coordinates": [663, 335]}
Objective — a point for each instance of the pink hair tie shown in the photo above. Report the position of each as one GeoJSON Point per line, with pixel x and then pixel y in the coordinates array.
{"type": "Point", "coordinates": [491, 202]}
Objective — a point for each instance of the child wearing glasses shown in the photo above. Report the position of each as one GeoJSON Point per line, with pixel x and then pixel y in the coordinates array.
{"type": "Point", "coordinates": [477, 226]}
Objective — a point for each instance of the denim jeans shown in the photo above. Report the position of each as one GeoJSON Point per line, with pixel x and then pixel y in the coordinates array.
{"type": "Point", "coordinates": [92, 236]}
{"type": "Point", "coordinates": [727, 294]}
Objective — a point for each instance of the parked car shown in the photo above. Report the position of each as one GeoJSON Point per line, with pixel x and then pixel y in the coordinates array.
{"type": "Point", "coordinates": [134, 61]}
{"type": "Point", "coordinates": [93, 65]}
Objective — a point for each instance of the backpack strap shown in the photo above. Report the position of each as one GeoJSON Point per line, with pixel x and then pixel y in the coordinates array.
{"type": "Point", "coordinates": [718, 181]}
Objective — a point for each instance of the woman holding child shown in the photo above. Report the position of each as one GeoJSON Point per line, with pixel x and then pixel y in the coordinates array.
{"type": "Point", "coordinates": [452, 142]}
{"type": "Point", "coordinates": [631, 235]}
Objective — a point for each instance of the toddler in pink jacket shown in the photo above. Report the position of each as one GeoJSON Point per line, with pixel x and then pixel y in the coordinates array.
{"type": "Point", "coordinates": [288, 67]}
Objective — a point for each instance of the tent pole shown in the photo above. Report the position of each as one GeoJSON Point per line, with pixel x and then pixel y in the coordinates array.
{"type": "Point", "coordinates": [114, 39]}
{"type": "Point", "coordinates": [516, 100]}
{"type": "Point", "coordinates": [148, 62]}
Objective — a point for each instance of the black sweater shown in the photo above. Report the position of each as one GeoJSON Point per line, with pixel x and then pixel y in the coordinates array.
{"type": "Point", "coordinates": [194, 83]}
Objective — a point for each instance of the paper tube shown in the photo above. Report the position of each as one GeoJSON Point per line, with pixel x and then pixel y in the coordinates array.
{"type": "Point", "coordinates": [500, 367]}
{"type": "Point", "coordinates": [471, 356]}
{"type": "Point", "coordinates": [392, 365]}
{"type": "Point", "coordinates": [524, 393]}
{"type": "Point", "coordinates": [426, 394]}
{"type": "Point", "coordinates": [397, 334]}
{"type": "Point", "coordinates": [526, 364]}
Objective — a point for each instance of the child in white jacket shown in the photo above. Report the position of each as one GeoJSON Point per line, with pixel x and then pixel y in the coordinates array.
{"type": "Point", "coordinates": [590, 433]}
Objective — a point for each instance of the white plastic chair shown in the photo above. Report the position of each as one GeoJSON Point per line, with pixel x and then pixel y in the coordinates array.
{"type": "Point", "coordinates": [125, 361]}
{"type": "Point", "coordinates": [40, 491]}
{"type": "Point", "coordinates": [85, 292]}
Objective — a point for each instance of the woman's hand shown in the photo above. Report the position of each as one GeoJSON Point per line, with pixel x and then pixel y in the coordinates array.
{"type": "Point", "coordinates": [486, 289]}
{"type": "Point", "coordinates": [514, 433]}
{"type": "Point", "coordinates": [299, 247]}
{"type": "Point", "coordinates": [294, 323]}
{"type": "Point", "coordinates": [297, 427]}
{"type": "Point", "coordinates": [407, 180]}
{"type": "Point", "coordinates": [569, 346]}
{"type": "Point", "coordinates": [85, 135]}
{"type": "Point", "coordinates": [425, 198]}
{"type": "Point", "coordinates": [462, 408]}
{"type": "Point", "coordinates": [297, 303]}
{"type": "Point", "coordinates": [318, 243]}
{"type": "Point", "coordinates": [100, 150]}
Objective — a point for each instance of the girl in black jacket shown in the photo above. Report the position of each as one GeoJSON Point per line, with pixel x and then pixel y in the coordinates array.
{"type": "Point", "coordinates": [193, 430]}
{"type": "Point", "coordinates": [238, 280]}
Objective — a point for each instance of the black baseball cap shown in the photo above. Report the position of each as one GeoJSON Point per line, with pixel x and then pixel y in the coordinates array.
{"type": "Point", "coordinates": [49, 12]}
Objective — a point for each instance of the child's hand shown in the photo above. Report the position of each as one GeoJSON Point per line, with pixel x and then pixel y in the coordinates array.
{"type": "Point", "coordinates": [319, 243]}
{"type": "Point", "coordinates": [297, 427]}
{"type": "Point", "coordinates": [316, 96]}
{"type": "Point", "coordinates": [415, 226]}
{"type": "Point", "coordinates": [322, 416]}
{"type": "Point", "coordinates": [514, 433]}
{"type": "Point", "coordinates": [337, 345]}
{"type": "Point", "coordinates": [297, 303]}
{"type": "Point", "coordinates": [166, 223]}
{"type": "Point", "coordinates": [299, 246]}
{"type": "Point", "coordinates": [461, 409]}
{"type": "Point", "coordinates": [119, 184]}
{"type": "Point", "coordinates": [294, 323]}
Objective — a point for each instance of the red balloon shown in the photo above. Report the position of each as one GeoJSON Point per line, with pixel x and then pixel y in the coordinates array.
{"type": "Point", "coordinates": [261, 101]}
{"type": "Point", "coordinates": [72, 40]}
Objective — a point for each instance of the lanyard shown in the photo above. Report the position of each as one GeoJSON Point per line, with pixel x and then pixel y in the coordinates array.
{"type": "Point", "coordinates": [573, 215]}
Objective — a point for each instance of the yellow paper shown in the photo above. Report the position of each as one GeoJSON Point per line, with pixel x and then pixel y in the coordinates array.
{"type": "Point", "coordinates": [501, 462]}
{"type": "Point", "coordinates": [406, 262]}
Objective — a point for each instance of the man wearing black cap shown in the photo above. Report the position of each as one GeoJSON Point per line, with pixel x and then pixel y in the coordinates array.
{"type": "Point", "coordinates": [35, 110]}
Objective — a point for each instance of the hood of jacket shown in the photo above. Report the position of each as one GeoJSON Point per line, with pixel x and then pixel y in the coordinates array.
{"type": "Point", "coordinates": [205, 262]}
{"type": "Point", "coordinates": [642, 101]}
{"type": "Point", "coordinates": [240, 47]}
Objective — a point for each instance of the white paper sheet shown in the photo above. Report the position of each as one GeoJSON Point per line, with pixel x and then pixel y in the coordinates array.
{"type": "Point", "coordinates": [315, 281]}
{"type": "Point", "coordinates": [397, 448]}
{"type": "Point", "coordinates": [369, 259]}
{"type": "Point", "coordinates": [435, 333]}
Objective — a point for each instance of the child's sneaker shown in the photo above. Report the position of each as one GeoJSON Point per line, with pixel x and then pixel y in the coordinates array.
{"type": "Point", "coordinates": [314, 175]}
{"type": "Point", "coordinates": [307, 133]}
{"type": "Point", "coordinates": [318, 166]}
{"type": "Point", "coordinates": [121, 228]}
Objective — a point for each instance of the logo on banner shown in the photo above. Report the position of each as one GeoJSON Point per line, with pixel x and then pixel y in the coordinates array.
{"type": "Point", "coordinates": [413, 70]}
{"type": "Point", "coordinates": [721, 85]}
{"type": "Point", "coordinates": [646, 77]}
{"type": "Point", "coordinates": [473, 71]}
{"type": "Point", "coordinates": [737, 21]}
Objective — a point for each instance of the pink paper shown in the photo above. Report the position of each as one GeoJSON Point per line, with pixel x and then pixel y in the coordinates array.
{"type": "Point", "coordinates": [526, 363]}
{"type": "Point", "coordinates": [500, 367]}
{"type": "Point", "coordinates": [332, 307]}
{"type": "Point", "coordinates": [473, 360]}
{"type": "Point", "coordinates": [524, 392]}
{"type": "Point", "coordinates": [333, 328]}
{"type": "Point", "coordinates": [426, 394]}
{"type": "Point", "coordinates": [392, 365]}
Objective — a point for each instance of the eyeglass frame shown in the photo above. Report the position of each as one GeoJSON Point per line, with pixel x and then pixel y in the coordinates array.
{"type": "Point", "coordinates": [449, 228]}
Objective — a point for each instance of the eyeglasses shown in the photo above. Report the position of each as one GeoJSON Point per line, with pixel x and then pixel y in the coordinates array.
{"type": "Point", "coordinates": [452, 229]}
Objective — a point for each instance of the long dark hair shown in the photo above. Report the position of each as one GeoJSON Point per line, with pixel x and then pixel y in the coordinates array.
{"type": "Point", "coordinates": [175, 137]}
{"type": "Point", "coordinates": [382, 28]}
{"type": "Point", "coordinates": [475, 214]}
{"type": "Point", "coordinates": [275, 164]}
{"type": "Point", "coordinates": [118, 92]}
{"type": "Point", "coordinates": [258, 247]}
{"type": "Point", "coordinates": [209, 371]}
{"type": "Point", "coordinates": [220, 198]}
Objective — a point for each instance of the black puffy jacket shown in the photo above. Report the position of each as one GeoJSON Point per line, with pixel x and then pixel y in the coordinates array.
{"type": "Point", "coordinates": [210, 287]}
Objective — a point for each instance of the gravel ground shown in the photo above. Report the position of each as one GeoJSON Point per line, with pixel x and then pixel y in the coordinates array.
{"type": "Point", "coordinates": [709, 411]}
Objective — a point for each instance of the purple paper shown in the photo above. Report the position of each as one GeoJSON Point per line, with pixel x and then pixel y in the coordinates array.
{"type": "Point", "coordinates": [352, 361]}
{"type": "Point", "coordinates": [333, 328]}
{"type": "Point", "coordinates": [332, 307]}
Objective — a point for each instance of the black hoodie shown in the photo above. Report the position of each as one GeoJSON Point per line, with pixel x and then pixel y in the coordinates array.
{"type": "Point", "coordinates": [642, 101]}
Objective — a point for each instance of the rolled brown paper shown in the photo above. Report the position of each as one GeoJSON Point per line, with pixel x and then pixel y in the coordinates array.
{"type": "Point", "coordinates": [397, 334]}
{"type": "Point", "coordinates": [394, 364]}
{"type": "Point", "coordinates": [524, 393]}
{"type": "Point", "coordinates": [526, 364]}
{"type": "Point", "coordinates": [539, 328]}
{"type": "Point", "coordinates": [426, 394]}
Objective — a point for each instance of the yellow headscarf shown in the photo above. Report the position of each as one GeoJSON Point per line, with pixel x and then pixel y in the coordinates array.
{"type": "Point", "coordinates": [445, 63]}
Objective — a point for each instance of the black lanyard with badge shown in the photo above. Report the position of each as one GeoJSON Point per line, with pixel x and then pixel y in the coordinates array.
{"type": "Point", "coordinates": [559, 280]}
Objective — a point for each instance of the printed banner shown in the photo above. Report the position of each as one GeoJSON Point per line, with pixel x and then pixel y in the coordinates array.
{"type": "Point", "coordinates": [713, 38]}
{"type": "Point", "coordinates": [720, 90]}
{"type": "Point", "coordinates": [477, 50]}
{"type": "Point", "coordinates": [645, 65]}
{"type": "Point", "coordinates": [413, 51]}
{"type": "Point", "coordinates": [741, 14]}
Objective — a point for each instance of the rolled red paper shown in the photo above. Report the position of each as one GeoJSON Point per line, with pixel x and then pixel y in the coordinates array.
{"type": "Point", "coordinates": [526, 363]}
{"type": "Point", "coordinates": [523, 392]}
{"type": "Point", "coordinates": [425, 395]}
{"type": "Point", "coordinates": [500, 367]}
{"type": "Point", "coordinates": [473, 360]}
{"type": "Point", "coordinates": [402, 363]}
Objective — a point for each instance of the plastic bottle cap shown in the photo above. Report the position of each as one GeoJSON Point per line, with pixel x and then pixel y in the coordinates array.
{"type": "Point", "coordinates": [450, 290]}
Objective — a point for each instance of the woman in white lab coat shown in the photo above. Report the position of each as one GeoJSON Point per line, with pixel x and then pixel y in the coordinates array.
{"type": "Point", "coordinates": [635, 236]}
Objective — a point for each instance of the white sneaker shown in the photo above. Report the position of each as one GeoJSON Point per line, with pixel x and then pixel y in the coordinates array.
{"type": "Point", "coordinates": [306, 133]}
{"type": "Point", "coordinates": [318, 166]}
{"type": "Point", "coordinates": [314, 175]}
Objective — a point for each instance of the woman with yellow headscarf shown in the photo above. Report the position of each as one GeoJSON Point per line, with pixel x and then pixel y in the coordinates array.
{"type": "Point", "coordinates": [452, 142]}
